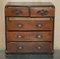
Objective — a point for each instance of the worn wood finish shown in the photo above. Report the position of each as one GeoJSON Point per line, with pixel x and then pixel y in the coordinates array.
{"type": "Point", "coordinates": [42, 11]}
{"type": "Point", "coordinates": [29, 36]}
{"type": "Point", "coordinates": [16, 11]}
{"type": "Point", "coordinates": [29, 25]}
{"type": "Point", "coordinates": [18, 36]}
{"type": "Point", "coordinates": [27, 18]}
{"type": "Point", "coordinates": [41, 36]}
{"type": "Point", "coordinates": [49, 4]}
{"type": "Point", "coordinates": [29, 47]}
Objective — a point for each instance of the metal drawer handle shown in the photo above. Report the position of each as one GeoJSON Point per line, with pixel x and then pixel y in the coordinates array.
{"type": "Point", "coordinates": [16, 12]}
{"type": "Point", "coordinates": [42, 12]}
{"type": "Point", "coordinates": [39, 36]}
{"type": "Point", "coordinates": [39, 47]}
{"type": "Point", "coordinates": [39, 25]}
{"type": "Point", "coordinates": [20, 47]}
{"type": "Point", "coordinates": [19, 36]}
{"type": "Point", "coordinates": [19, 25]}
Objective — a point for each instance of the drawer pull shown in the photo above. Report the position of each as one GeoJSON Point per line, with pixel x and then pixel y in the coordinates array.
{"type": "Point", "coordinates": [19, 36]}
{"type": "Point", "coordinates": [20, 47]}
{"type": "Point", "coordinates": [39, 47]}
{"type": "Point", "coordinates": [39, 36]}
{"type": "Point", "coordinates": [39, 25]}
{"type": "Point", "coordinates": [42, 12]}
{"type": "Point", "coordinates": [19, 25]}
{"type": "Point", "coordinates": [17, 12]}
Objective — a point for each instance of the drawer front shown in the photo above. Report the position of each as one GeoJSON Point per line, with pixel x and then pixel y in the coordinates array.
{"type": "Point", "coordinates": [29, 25]}
{"type": "Point", "coordinates": [18, 25]}
{"type": "Point", "coordinates": [42, 11]}
{"type": "Point", "coordinates": [18, 36]}
{"type": "Point", "coordinates": [29, 47]}
{"type": "Point", "coordinates": [29, 36]}
{"type": "Point", "coordinates": [41, 36]}
{"type": "Point", "coordinates": [17, 11]}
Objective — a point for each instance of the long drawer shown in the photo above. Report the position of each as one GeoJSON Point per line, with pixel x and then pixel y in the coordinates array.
{"type": "Point", "coordinates": [29, 36]}
{"type": "Point", "coordinates": [30, 24]}
{"type": "Point", "coordinates": [29, 47]}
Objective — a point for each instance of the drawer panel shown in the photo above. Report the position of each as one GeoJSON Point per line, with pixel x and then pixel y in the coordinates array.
{"type": "Point", "coordinates": [29, 47]}
{"type": "Point", "coordinates": [29, 25]}
{"type": "Point", "coordinates": [41, 36]}
{"type": "Point", "coordinates": [18, 36]}
{"type": "Point", "coordinates": [29, 36]}
{"type": "Point", "coordinates": [42, 11]}
{"type": "Point", "coordinates": [17, 11]}
{"type": "Point", "coordinates": [18, 25]}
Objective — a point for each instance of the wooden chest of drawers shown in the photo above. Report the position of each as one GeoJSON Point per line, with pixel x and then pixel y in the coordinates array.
{"type": "Point", "coordinates": [29, 27]}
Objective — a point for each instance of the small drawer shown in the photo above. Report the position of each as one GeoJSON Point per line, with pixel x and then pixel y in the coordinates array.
{"type": "Point", "coordinates": [29, 47]}
{"type": "Point", "coordinates": [16, 11]}
{"type": "Point", "coordinates": [42, 11]}
{"type": "Point", "coordinates": [29, 36]}
{"type": "Point", "coordinates": [30, 24]}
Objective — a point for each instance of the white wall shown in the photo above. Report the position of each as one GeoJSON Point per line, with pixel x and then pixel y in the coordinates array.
{"type": "Point", "coordinates": [57, 21]}
{"type": "Point", "coordinates": [2, 24]}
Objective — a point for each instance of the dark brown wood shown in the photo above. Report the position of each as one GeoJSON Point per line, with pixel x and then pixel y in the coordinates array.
{"type": "Point", "coordinates": [41, 36]}
{"type": "Point", "coordinates": [29, 36]}
{"type": "Point", "coordinates": [18, 36]}
{"type": "Point", "coordinates": [16, 11]}
{"type": "Point", "coordinates": [29, 47]}
{"type": "Point", "coordinates": [29, 25]}
{"type": "Point", "coordinates": [42, 11]}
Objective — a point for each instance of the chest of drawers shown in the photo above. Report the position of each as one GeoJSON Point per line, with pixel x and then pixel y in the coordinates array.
{"type": "Point", "coordinates": [29, 27]}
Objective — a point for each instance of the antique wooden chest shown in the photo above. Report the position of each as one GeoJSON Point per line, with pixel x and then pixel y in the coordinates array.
{"type": "Point", "coordinates": [29, 27]}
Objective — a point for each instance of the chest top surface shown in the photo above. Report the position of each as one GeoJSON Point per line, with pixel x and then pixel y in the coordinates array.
{"type": "Point", "coordinates": [29, 4]}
